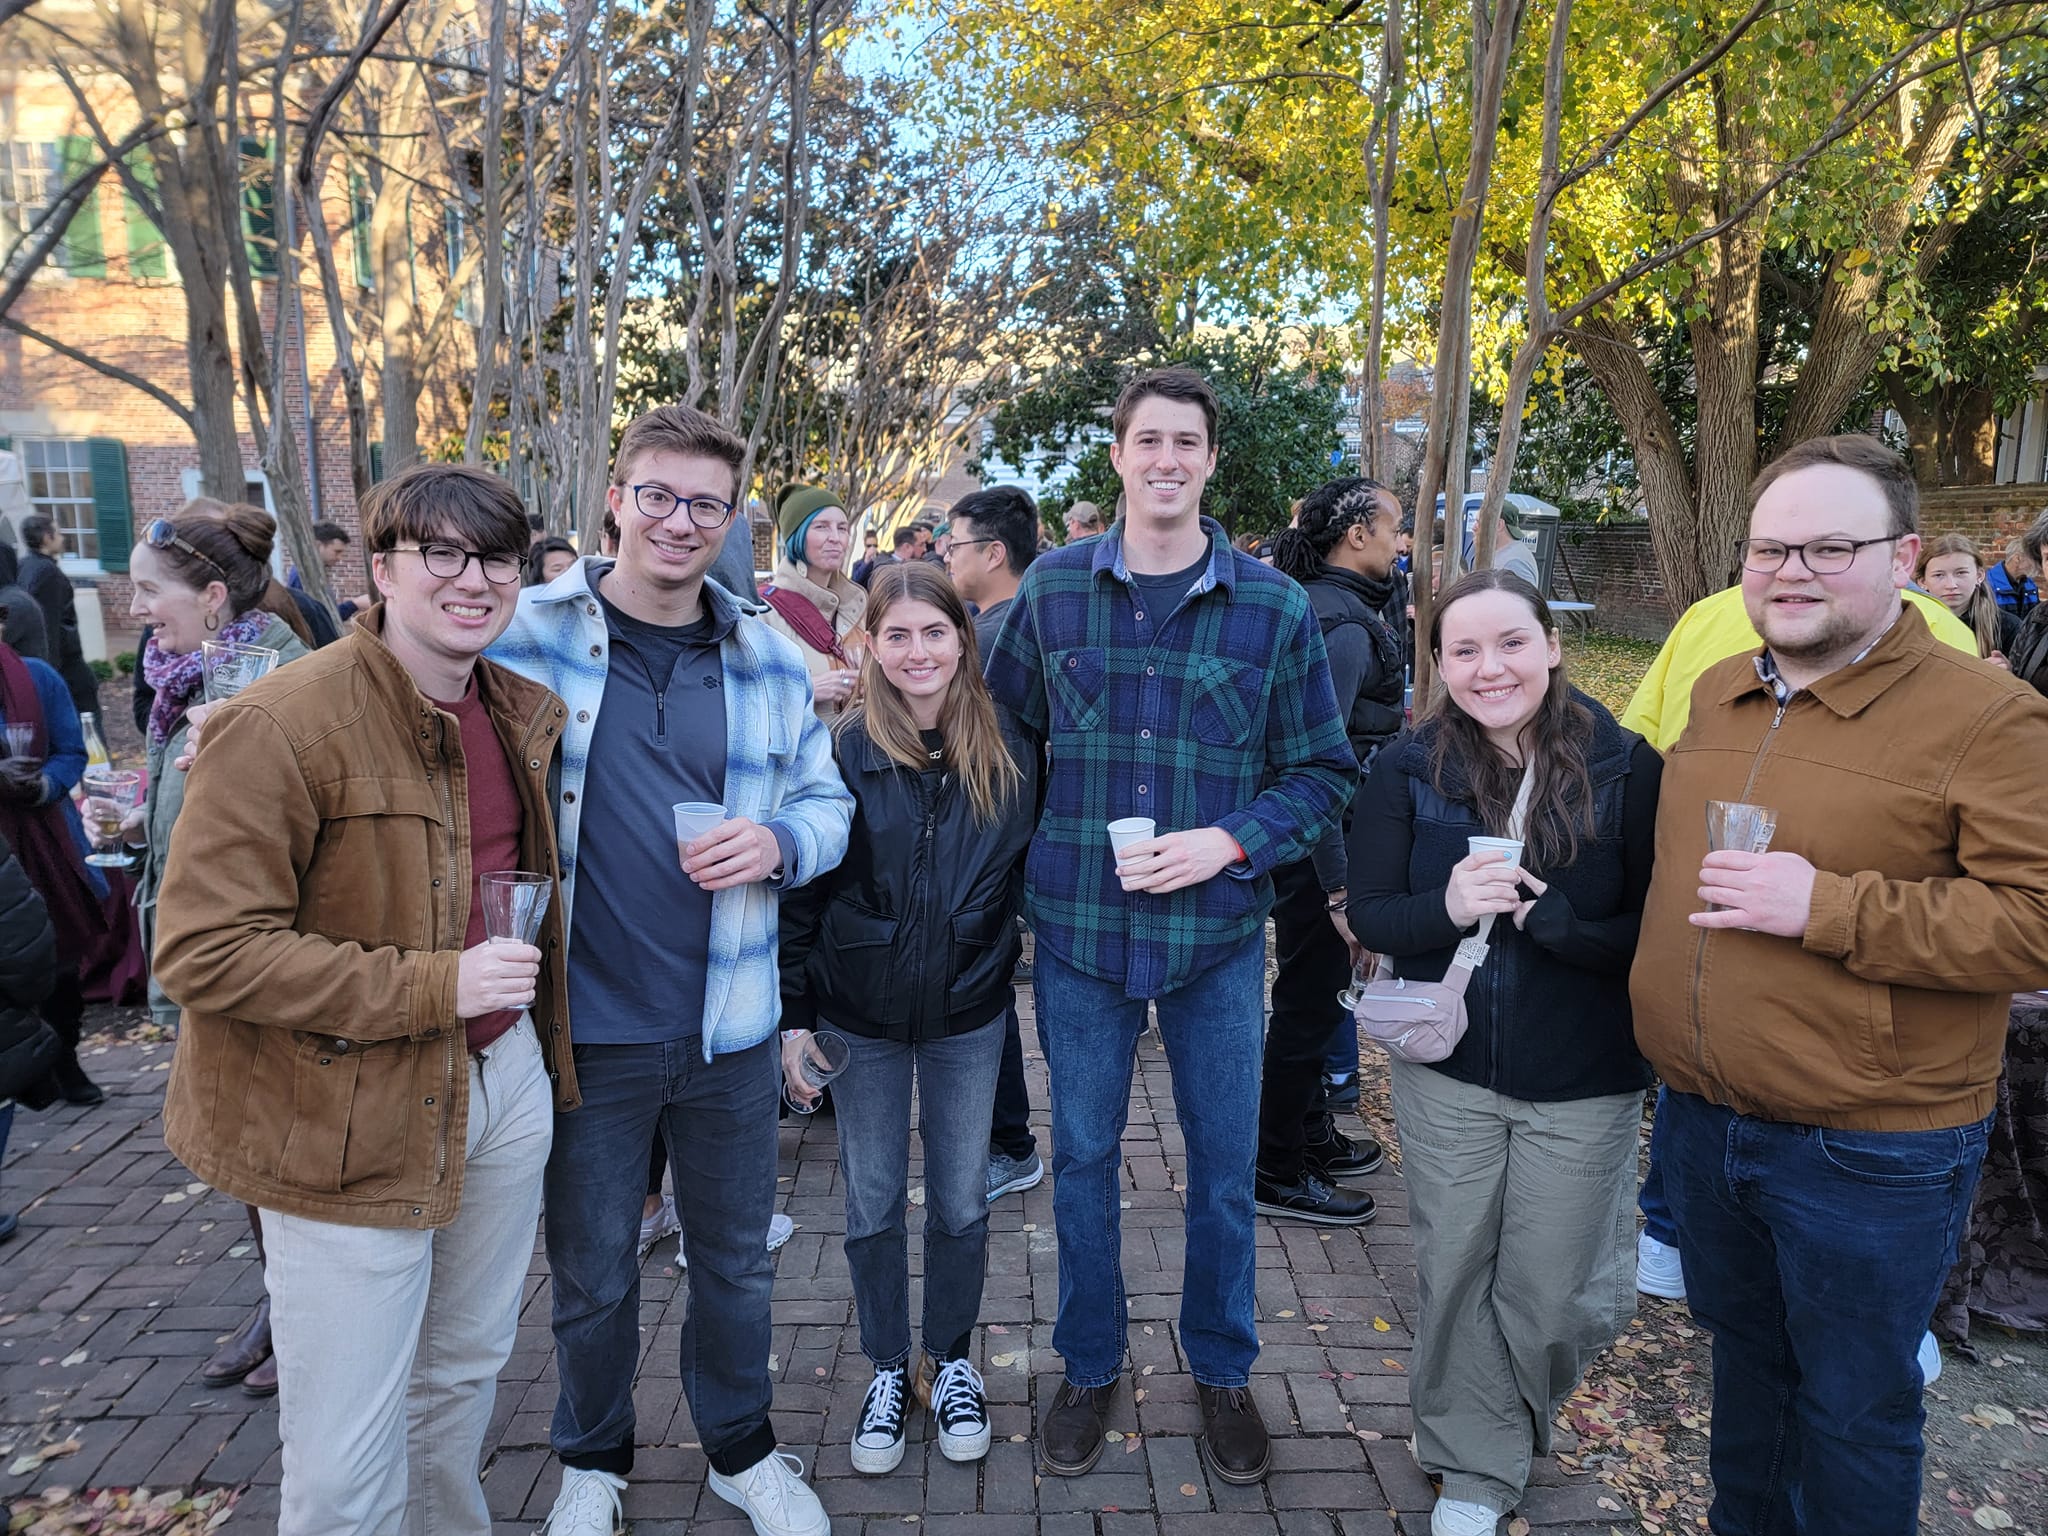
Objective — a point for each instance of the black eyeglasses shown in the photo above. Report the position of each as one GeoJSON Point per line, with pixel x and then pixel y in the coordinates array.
{"type": "Point", "coordinates": [158, 533]}
{"type": "Point", "coordinates": [964, 543]}
{"type": "Point", "coordinates": [449, 561]}
{"type": "Point", "coordinates": [1823, 557]}
{"type": "Point", "coordinates": [658, 502]}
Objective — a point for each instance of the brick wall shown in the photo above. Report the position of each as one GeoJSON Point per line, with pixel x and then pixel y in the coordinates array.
{"type": "Point", "coordinates": [1989, 514]}
{"type": "Point", "coordinates": [1614, 568]}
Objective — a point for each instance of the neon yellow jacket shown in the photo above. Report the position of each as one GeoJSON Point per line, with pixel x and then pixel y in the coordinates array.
{"type": "Point", "coordinates": [1715, 628]}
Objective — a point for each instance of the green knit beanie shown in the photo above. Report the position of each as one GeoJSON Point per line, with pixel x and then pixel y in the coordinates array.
{"type": "Point", "coordinates": [800, 503]}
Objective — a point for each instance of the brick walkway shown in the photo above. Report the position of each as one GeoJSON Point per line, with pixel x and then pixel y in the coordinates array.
{"type": "Point", "coordinates": [126, 1273]}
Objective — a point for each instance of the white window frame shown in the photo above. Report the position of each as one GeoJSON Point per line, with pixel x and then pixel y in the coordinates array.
{"type": "Point", "coordinates": [256, 489]}
{"type": "Point", "coordinates": [72, 564]}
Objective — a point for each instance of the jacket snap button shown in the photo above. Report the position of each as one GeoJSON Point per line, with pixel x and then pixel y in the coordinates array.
{"type": "Point", "coordinates": [437, 884]}
{"type": "Point", "coordinates": [569, 797]}
{"type": "Point", "coordinates": [1073, 661]}
{"type": "Point", "coordinates": [1141, 790]}
{"type": "Point", "coordinates": [430, 1098]}
{"type": "Point", "coordinates": [597, 650]}
{"type": "Point", "coordinates": [326, 1061]}
{"type": "Point", "coordinates": [415, 1210]}
{"type": "Point", "coordinates": [534, 764]}
{"type": "Point", "coordinates": [341, 1047]}
{"type": "Point", "coordinates": [582, 715]}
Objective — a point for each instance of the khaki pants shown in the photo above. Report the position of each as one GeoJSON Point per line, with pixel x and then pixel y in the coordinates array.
{"type": "Point", "coordinates": [1523, 1217]}
{"type": "Point", "coordinates": [389, 1342]}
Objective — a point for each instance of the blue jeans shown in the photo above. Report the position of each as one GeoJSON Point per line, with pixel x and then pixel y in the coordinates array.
{"type": "Point", "coordinates": [1651, 1199]}
{"type": "Point", "coordinates": [1213, 1028]}
{"type": "Point", "coordinates": [1815, 1257]}
{"type": "Point", "coordinates": [956, 1092]}
{"type": "Point", "coordinates": [719, 1121]}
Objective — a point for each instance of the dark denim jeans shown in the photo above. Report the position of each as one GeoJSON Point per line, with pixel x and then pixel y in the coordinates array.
{"type": "Point", "coordinates": [1815, 1257]}
{"type": "Point", "coordinates": [1211, 1027]}
{"type": "Point", "coordinates": [1010, 1128]}
{"type": "Point", "coordinates": [719, 1121]}
{"type": "Point", "coordinates": [1650, 1199]}
{"type": "Point", "coordinates": [956, 1087]}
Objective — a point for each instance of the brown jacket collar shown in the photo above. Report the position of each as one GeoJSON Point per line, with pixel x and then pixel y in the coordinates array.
{"type": "Point", "coordinates": [1850, 690]}
{"type": "Point", "coordinates": [505, 693]}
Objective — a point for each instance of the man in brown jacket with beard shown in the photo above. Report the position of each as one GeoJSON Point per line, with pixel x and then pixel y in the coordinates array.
{"type": "Point", "coordinates": [1829, 1016]}
{"type": "Point", "coordinates": [355, 1058]}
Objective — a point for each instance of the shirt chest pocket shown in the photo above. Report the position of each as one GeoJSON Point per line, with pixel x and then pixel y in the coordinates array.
{"type": "Point", "coordinates": [1229, 702]}
{"type": "Point", "coordinates": [378, 854]}
{"type": "Point", "coordinates": [1080, 682]}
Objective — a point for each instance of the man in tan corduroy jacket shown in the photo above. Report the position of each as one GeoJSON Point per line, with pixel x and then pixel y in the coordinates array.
{"type": "Point", "coordinates": [1831, 1037]}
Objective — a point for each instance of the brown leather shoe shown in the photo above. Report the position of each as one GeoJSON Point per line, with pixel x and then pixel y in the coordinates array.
{"type": "Point", "coordinates": [246, 1349]}
{"type": "Point", "coordinates": [1070, 1435]}
{"type": "Point", "coordinates": [262, 1382]}
{"type": "Point", "coordinates": [1233, 1434]}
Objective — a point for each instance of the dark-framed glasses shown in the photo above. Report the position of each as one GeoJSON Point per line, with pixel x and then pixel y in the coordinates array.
{"type": "Point", "coordinates": [449, 561]}
{"type": "Point", "coordinates": [1823, 557]}
{"type": "Point", "coordinates": [658, 502]}
{"type": "Point", "coordinates": [158, 533]}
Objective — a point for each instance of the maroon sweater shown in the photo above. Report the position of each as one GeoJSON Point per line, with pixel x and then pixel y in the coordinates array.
{"type": "Point", "coordinates": [496, 821]}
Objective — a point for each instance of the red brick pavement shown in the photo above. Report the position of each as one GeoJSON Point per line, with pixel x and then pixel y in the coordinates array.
{"type": "Point", "coordinates": [127, 1273]}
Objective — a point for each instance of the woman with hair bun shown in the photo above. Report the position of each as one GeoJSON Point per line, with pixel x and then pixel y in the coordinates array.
{"type": "Point", "coordinates": [201, 575]}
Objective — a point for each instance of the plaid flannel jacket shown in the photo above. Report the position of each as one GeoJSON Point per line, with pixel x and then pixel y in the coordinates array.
{"type": "Point", "coordinates": [779, 772]}
{"type": "Point", "coordinates": [1219, 714]}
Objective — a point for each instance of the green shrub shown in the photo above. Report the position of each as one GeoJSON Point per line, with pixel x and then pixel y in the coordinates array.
{"type": "Point", "coordinates": [125, 663]}
{"type": "Point", "coordinates": [103, 670]}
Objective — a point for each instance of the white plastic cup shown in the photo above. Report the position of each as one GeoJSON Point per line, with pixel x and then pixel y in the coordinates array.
{"type": "Point", "coordinates": [694, 818]}
{"type": "Point", "coordinates": [1509, 848]}
{"type": "Point", "coordinates": [1132, 829]}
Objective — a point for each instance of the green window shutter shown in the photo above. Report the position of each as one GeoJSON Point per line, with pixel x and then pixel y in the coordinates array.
{"type": "Point", "coordinates": [147, 256]}
{"type": "Point", "coordinates": [361, 205]}
{"type": "Point", "coordinates": [112, 512]}
{"type": "Point", "coordinates": [259, 208]}
{"type": "Point", "coordinates": [80, 253]}
{"type": "Point", "coordinates": [376, 462]}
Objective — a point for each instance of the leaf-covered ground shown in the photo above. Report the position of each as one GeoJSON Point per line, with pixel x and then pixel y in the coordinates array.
{"type": "Point", "coordinates": [118, 1511]}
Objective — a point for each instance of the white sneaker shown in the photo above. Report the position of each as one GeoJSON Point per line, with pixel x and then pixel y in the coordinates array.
{"type": "Point", "coordinates": [661, 1224]}
{"type": "Point", "coordinates": [1658, 1272]}
{"type": "Point", "coordinates": [1462, 1517]}
{"type": "Point", "coordinates": [1930, 1360]}
{"type": "Point", "coordinates": [878, 1441]}
{"type": "Point", "coordinates": [773, 1494]}
{"type": "Point", "coordinates": [960, 1404]}
{"type": "Point", "coordinates": [588, 1505]}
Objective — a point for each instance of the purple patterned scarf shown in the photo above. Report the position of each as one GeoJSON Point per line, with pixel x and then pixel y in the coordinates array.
{"type": "Point", "coordinates": [180, 678]}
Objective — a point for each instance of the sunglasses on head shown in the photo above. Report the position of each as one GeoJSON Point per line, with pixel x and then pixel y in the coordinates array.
{"type": "Point", "coordinates": [159, 533]}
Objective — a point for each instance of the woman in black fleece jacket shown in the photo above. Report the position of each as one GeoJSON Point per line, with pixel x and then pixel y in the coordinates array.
{"type": "Point", "coordinates": [1520, 1147]}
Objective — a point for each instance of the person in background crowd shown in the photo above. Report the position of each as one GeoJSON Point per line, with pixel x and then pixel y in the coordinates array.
{"type": "Point", "coordinates": [813, 605]}
{"type": "Point", "coordinates": [536, 530]}
{"type": "Point", "coordinates": [1521, 1144]}
{"type": "Point", "coordinates": [333, 540]}
{"type": "Point", "coordinates": [903, 541]}
{"type": "Point", "coordinates": [945, 790]}
{"type": "Point", "coordinates": [870, 551]}
{"type": "Point", "coordinates": [1083, 520]}
{"type": "Point", "coordinates": [942, 539]}
{"type": "Point", "coordinates": [1341, 550]}
{"type": "Point", "coordinates": [1510, 553]}
{"type": "Point", "coordinates": [548, 559]}
{"type": "Point", "coordinates": [1829, 1016]}
{"type": "Point", "coordinates": [41, 824]}
{"type": "Point", "coordinates": [201, 575]}
{"type": "Point", "coordinates": [995, 539]}
{"type": "Point", "coordinates": [387, 1104]}
{"type": "Point", "coordinates": [44, 580]}
{"type": "Point", "coordinates": [675, 694]}
{"type": "Point", "coordinates": [1176, 679]}
{"type": "Point", "coordinates": [26, 631]}
{"type": "Point", "coordinates": [2029, 654]}
{"type": "Point", "coordinates": [2013, 581]}
{"type": "Point", "coordinates": [1952, 570]}
{"type": "Point", "coordinates": [28, 969]}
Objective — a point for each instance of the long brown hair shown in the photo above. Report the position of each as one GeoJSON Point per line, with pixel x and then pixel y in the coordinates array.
{"type": "Point", "coordinates": [975, 748]}
{"type": "Point", "coordinates": [1553, 742]}
{"type": "Point", "coordinates": [1981, 611]}
{"type": "Point", "coordinates": [237, 538]}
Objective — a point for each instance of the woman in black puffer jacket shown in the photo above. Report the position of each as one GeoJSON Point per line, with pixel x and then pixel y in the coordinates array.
{"type": "Point", "coordinates": [28, 969]}
{"type": "Point", "coordinates": [1519, 1148]}
{"type": "Point", "coordinates": [907, 948]}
